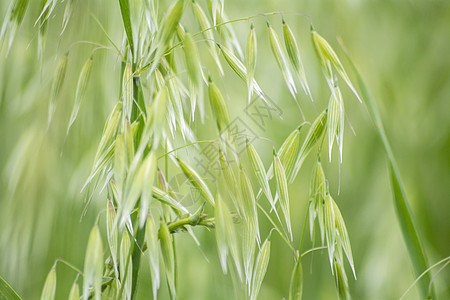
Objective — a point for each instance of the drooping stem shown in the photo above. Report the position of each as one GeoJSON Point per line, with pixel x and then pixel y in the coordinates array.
{"type": "Point", "coordinates": [402, 208]}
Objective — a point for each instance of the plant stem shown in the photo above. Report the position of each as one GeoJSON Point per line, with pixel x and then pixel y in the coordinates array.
{"type": "Point", "coordinates": [404, 214]}
{"type": "Point", "coordinates": [284, 238]}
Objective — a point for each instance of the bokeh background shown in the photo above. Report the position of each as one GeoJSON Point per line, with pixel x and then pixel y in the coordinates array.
{"type": "Point", "coordinates": [402, 51]}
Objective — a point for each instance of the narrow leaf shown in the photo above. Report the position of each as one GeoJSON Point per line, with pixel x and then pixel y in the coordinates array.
{"type": "Point", "coordinates": [404, 214]}
{"type": "Point", "coordinates": [125, 11]}
{"type": "Point", "coordinates": [7, 291]}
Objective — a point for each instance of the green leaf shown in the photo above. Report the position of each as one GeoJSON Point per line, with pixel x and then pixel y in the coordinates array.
{"type": "Point", "coordinates": [125, 10]}
{"type": "Point", "coordinates": [409, 231]}
{"type": "Point", "coordinates": [7, 292]}
{"type": "Point", "coordinates": [404, 216]}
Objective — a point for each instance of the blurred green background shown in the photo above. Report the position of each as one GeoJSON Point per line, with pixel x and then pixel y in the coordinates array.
{"type": "Point", "coordinates": [401, 49]}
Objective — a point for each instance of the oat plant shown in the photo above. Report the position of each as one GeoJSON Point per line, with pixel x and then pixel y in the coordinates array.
{"type": "Point", "coordinates": [172, 67]}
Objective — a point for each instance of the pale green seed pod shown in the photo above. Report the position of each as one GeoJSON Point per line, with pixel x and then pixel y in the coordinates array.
{"type": "Point", "coordinates": [221, 232]}
{"type": "Point", "coordinates": [49, 290]}
{"type": "Point", "coordinates": [262, 261]}
{"type": "Point", "coordinates": [112, 233]}
{"type": "Point", "coordinates": [260, 172]}
{"type": "Point", "coordinates": [168, 257]}
{"type": "Point", "coordinates": [127, 91]}
{"type": "Point", "coordinates": [282, 191]}
{"type": "Point", "coordinates": [126, 264]}
{"type": "Point", "coordinates": [196, 181]}
{"type": "Point", "coordinates": [236, 65]}
{"type": "Point", "coordinates": [58, 81]}
{"type": "Point", "coordinates": [318, 192]}
{"type": "Point", "coordinates": [218, 106]}
{"type": "Point", "coordinates": [249, 203]}
{"type": "Point", "coordinates": [74, 292]}
{"type": "Point", "coordinates": [194, 75]}
{"type": "Point", "coordinates": [341, 281]}
{"type": "Point", "coordinates": [67, 14]}
{"type": "Point", "coordinates": [281, 60]}
{"type": "Point", "coordinates": [335, 121]}
{"type": "Point", "coordinates": [251, 52]}
{"type": "Point", "coordinates": [327, 56]}
{"type": "Point", "coordinates": [168, 199]}
{"type": "Point", "coordinates": [205, 26]}
{"type": "Point", "coordinates": [295, 58]}
{"type": "Point", "coordinates": [151, 237]}
{"type": "Point", "coordinates": [230, 180]}
{"type": "Point", "coordinates": [344, 240]}
{"type": "Point", "coordinates": [93, 265]}
{"type": "Point", "coordinates": [312, 137]}
{"type": "Point", "coordinates": [81, 91]}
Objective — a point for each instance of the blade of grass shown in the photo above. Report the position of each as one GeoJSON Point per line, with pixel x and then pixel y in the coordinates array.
{"type": "Point", "coordinates": [404, 215]}
{"type": "Point", "coordinates": [125, 11]}
{"type": "Point", "coordinates": [7, 292]}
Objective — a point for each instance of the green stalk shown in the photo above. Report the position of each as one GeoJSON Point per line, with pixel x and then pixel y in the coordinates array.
{"type": "Point", "coordinates": [125, 11]}
{"type": "Point", "coordinates": [404, 214]}
{"type": "Point", "coordinates": [7, 292]}
{"type": "Point", "coordinates": [136, 256]}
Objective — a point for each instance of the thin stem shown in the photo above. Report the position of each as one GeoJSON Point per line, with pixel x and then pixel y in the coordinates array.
{"type": "Point", "coordinates": [423, 274]}
{"type": "Point", "coordinates": [285, 239]}
{"type": "Point", "coordinates": [276, 213]}
{"type": "Point", "coordinates": [304, 229]}
{"type": "Point", "coordinates": [313, 249]}
{"type": "Point", "coordinates": [69, 265]}
{"type": "Point", "coordinates": [184, 146]}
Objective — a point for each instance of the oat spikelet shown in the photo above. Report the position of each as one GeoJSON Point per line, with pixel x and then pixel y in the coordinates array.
{"type": "Point", "coordinates": [262, 261]}
{"type": "Point", "coordinates": [294, 57]}
{"type": "Point", "coordinates": [312, 137]}
{"type": "Point", "coordinates": [56, 85]}
{"type": "Point", "coordinates": [49, 290]}
{"type": "Point", "coordinates": [251, 60]}
{"type": "Point", "coordinates": [168, 257]}
{"type": "Point", "coordinates": [93, 265]}
{"type": "Point", "coordinates": [81, 91]}
{"type": "Point", "coordinates": [218, 106]}
{"type": "Point", "coordinates": [328, 57]}
{"type": "Point", "coordinates": [151, 237]}
{"type": "Point", "coordinates": [281, 60]}
{"type": "Point", "coordinates": [207, 33]}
